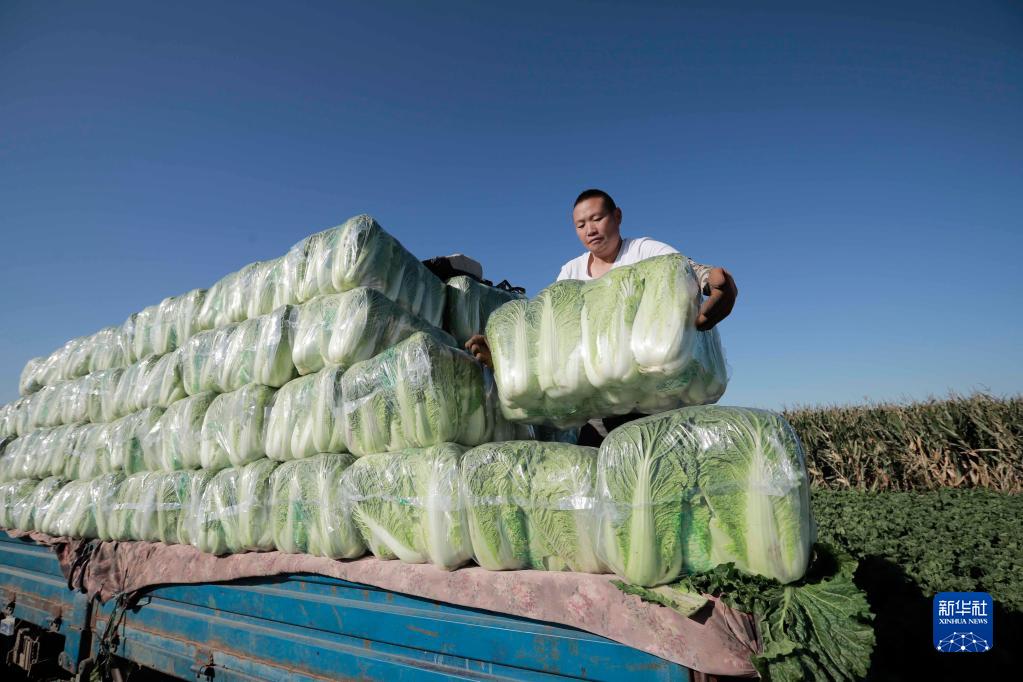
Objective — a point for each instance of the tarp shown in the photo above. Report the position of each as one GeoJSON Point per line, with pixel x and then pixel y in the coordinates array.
{"type": "Point", "coordinates": [717, 640]}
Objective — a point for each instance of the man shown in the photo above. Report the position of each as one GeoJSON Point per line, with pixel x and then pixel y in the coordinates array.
{"type": "Point", "coordinates": [598, 222]}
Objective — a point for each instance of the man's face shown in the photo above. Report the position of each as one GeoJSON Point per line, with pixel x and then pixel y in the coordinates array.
{"type": "Point", "coordinates": [597, 228]}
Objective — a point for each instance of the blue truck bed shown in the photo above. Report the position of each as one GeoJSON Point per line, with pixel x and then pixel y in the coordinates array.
{"type": "Point", "coordinates": [303, 627]}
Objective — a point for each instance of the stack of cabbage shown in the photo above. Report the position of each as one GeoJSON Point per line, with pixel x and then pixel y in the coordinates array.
{"type": "Point", "coordinates": [310, 404]}
{"type": "Point", "coordinates": [170, 426]}
{"type": "Point", "coordinates": [470, 304]}
{"type": "Point", "coordinates": [622, 343]}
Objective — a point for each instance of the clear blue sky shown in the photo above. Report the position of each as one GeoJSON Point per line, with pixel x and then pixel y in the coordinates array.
{"type": "Point", "coordinates": [858, 166]}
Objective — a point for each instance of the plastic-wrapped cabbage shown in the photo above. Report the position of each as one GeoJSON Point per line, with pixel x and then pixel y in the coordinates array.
{"type": "Point", "coordinates": [613, 345]}
{"type": "Point", "coordinates": [468, 305]}
{"type": "Point", "coordinates": [106, 494]}
{"type": "Point", "coordinates": [253, 351]}
{"type": "Point", "coordinates": [690, 489]}
{"type": "Point", "coordinates": [310, 512]}
{"type": "Point", "coordinates": [170, 495]}
{"type": "Point", "coordinates": [306, 417]}
{"type": "Point", "coordinates": [177, 320]}
{"type": "Point", "coordinates": [31, 375]}
{"type": "Point", "coordinates": [43, 409]}
{"type": "Point", "coordinates": [342, 329]}
{"type": "Point", "coordinates": [126, 438]}
{"type": "Point", "coordinates": [233, 513]}
{"type": "Point", "coordinates": [141, 326]}
{"type": "Point", "coordinates": [71, 512]}
{"type": "Point", "coordinates": [161, 384]}
{"type": "Point", "coordinates": [74, 400]}
{"type": "Point", "coordinates": [232, 432]}
{"type": "Point", "coordinates": [9, 418]}
{"type": "Point", "coordinates": [416, 394]}
{"type": "Point", "coordinates": [190, 493]}
{"type": "Point", "coordinates": [532, 505]}
{"type": "Point", "coordinates": [101, 389]}
{"type": "Point", "coordinates": [408, 505]}
{"type": "Point", "coordinates": [175, 440]}
{"type": "Point", "coordinates": [123, 507]}
{"type": "Point", "coordinates": [276, 283]}
{"type": "Point", "coordinates": [126, 399]}
{"type": "Point", "coordinates": [11, 494]}
{"type": "Point", "coordinates": [259, 351]}
{"type": "Point", "coordinates": [30, 511]}
{"type": "Point", "coordinates": [109, 350]}
{"type": "Point", "coordinates": [90, 451]}
{"type": "Point", "coordinates": [215, 310]}
{"type": "Point", "coordinates": [360, 253]}
{"type": "Point", "coordinates": [39, 454]}
{"type": "Point", "coordinates": [202, 359]}
{"type": "Point", "coordinates": [15, 462]}
{"type": "Point", "coordinates": [76, 358]}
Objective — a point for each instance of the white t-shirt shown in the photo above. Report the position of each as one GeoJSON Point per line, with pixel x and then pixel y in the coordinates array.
{"type": "Point", "coordinates": [632, 251]}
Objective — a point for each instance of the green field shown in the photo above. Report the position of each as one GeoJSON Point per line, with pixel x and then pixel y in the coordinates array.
{"type": "Point", "coordinates": [925, 496]}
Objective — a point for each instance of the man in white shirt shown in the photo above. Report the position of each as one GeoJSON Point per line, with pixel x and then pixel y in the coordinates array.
{"type": "Point", "coordinates": [598, 222]}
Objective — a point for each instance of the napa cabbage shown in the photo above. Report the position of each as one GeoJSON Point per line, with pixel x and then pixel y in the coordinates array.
{"type": "Point", "coordinates": [687, 490]}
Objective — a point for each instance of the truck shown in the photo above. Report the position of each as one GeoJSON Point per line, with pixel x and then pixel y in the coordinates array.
{"type": "Point", "coordinates": [300, 627]}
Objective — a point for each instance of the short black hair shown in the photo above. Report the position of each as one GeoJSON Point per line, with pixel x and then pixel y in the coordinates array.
{"type": "Point", "coordinates": [609, 203]}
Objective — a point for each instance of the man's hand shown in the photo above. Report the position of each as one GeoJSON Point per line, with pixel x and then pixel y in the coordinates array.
{"type": "Point", "coordinates": [480, 349]}
{"type": "Point", "coordinates": [719, 302]}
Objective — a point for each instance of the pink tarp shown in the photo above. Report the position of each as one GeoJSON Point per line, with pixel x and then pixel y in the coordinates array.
{"type": "Point", "coordinates": [717, 640]}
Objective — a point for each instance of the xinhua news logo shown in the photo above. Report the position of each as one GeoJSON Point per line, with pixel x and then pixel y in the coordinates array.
{"type": "Point", "coordinates": [964, 622]}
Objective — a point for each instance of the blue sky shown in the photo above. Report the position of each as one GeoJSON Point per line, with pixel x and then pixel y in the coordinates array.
{"type": "Point", "coordinates": [857, 166]}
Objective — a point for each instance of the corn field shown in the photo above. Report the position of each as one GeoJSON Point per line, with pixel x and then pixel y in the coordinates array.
{"type": "Point", "coordinates": [959, 442]}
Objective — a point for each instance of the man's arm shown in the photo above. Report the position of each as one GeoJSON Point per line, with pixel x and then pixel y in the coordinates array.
{"type": "Point", "coordinates": [719, 292]}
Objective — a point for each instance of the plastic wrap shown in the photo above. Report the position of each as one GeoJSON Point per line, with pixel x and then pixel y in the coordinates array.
{"type": "Point", "coordinates": [468, 305]}
{"type": "Point", "coordinates": [13, 493]}
{"type": "Point", "coordinates": [126, 437]}
{"type": "Point", "coordinates": [44, 408]}
{"type": "Point", "coordinates": [126, 396]}
{"type": "Point", "coordinates": [39, 454]}
{"type": "Point", "coordinates": [408, 505]}
{"type": "Point", "coordinates": [30, 511]}
{"type": "Point", "coordinates": [202, 357]}
{"type": "Point", "coordinates": [109, 349]}
{"type": "Point", "coordinates": [360, 253]}
{"type": "Point", "coordinates": [151, 506]}
{"type": "Point", "coordinates": [233, 513]}
{"type": "Point", "coordinates": [106, 497]}
{"type": "Point", "coordinates": [532, 505]}
{"type": "Point", "coordinates": [215, 310]}
{"type": "Point", "coordinates": [9, 418]}
{"type": "Point", "coordinates": [310, 512]}
{"type": "Point", "coordinates": [30, 376]}
{"type": "Point", "coordinates": [232, 432]}
{"type": "Point", "coordinates": [121, 512]}
{"type": "Point", "coordinates": [140, 326]}
{"type": "Point", "coordinates": [342, 329]}
{"type": "Point", "coordinates": [416, 394]}
{"type": "Point", "coordinates": [306, 417]}
{"type": "Point", "coordinates": [161, 384]}
{"type": "Point", "coordinates": [90, 454]}
{"type": "Point", "coordinates": [74, 400]}
{"type": "Point", "coordinates": [71, 512]}
{"type": "Point", "coordinates": [254, 351]}
{"type": "Point", "coordinates": [702, 486]}
{"type": "Point", "coordinates": [175, 440]}
{"type": "Point", "coordinates": [169, 324]}
{"type": "Point", "coordinates": [102, 395]}
{"type": "Point", "coordinates": [275, 283]}
{"type": "Point", "coordinates": [613, 345]}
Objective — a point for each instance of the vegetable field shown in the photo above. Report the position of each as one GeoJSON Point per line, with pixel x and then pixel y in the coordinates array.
{"type": "Point", "coordinates": [925, 496]}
